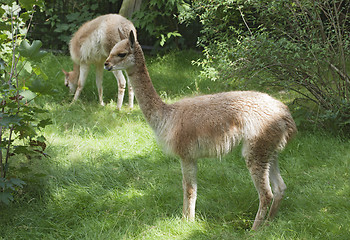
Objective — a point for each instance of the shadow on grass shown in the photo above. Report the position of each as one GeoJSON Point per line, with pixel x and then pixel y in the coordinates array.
{"type": "Point", "coordinates": [111, 194]}
{"type": "Point", "coordinates": [129, 197]}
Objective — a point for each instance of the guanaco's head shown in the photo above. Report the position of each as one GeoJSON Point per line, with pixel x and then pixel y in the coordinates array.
{"type": "Point", "coordinates": [71, 80]}
{"type": "Point", "coordinates": [121, 56]}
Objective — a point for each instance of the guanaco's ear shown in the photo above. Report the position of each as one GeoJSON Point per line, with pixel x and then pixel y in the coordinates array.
{"type": "Point", "coordinates": [131, 39]}
{"type": "Point", "coordinates": [65, 73]}
{"type": "Point", "coordinates": [121, 34]}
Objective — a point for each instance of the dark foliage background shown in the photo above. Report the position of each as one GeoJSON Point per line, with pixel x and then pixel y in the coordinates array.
{"type": "Point", "coordinates": [157, 22]}
{"type": "Point", "coordinates": [60, 19]}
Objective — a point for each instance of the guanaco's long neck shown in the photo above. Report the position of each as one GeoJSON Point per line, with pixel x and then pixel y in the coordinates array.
{"type": "Point", "coordinates": [149, 101]}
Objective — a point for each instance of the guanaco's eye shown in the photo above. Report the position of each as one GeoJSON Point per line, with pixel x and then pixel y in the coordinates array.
{"type": "Point", "coordinates": [121, 55]}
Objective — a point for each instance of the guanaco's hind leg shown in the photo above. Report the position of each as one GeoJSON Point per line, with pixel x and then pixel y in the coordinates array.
{"type": "Point", "coordinates": [278, 186]}
{"type": "Point", "coordinates": [121, 87]}
{"type": "Point", "coordinates": [260, 178]}
{"type": "Point", "coordinates": [84, 70]}
{"type": "Point", "coordinates": [257, 160]}
{"type": "Point", "coordinates": [189, 183]}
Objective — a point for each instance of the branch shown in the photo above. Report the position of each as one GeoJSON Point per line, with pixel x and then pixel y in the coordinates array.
{"type": "Point", "coordinates": [2, 171]}
{"type": "Point", "coordinates": [14, 62]}
{"type": "Point", "coordinates": [344, 76]}
{"type": "Point", "coordinates": [239, 8]}
{"type": "Point", "coordinates": [8, 150]}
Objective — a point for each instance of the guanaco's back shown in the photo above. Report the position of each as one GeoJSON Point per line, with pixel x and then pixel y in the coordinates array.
{"type": "Point", "coordinates": [95, 39]}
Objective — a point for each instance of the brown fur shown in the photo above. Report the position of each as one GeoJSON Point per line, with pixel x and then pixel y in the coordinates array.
{"type": "Point", "coordinates": [210, 126]}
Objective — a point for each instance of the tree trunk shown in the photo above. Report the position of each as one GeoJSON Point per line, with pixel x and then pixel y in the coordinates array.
{"type": "Point", "coordinates": [129, 7]}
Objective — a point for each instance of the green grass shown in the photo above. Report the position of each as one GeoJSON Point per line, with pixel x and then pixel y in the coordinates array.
{"type": "Point", "coordinates": [106, 177]}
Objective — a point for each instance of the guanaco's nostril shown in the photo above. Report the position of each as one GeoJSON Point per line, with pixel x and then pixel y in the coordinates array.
{"type": "Point", "coordinates": [107, 66]}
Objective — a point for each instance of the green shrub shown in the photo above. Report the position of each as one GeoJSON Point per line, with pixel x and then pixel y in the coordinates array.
{"type": "Point", "coordinates": [58, 21]}
{"type": "Point", "coordinates": [297, 45]}
{"type": "Point", "coordinates": [20, 84]}
{"type": "Point", "coordinates": [158, 24]}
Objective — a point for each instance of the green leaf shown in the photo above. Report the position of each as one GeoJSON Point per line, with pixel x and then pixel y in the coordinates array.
{"type": "Point", "coordinates": [26, 131]}
{"type": "Point", "coordinates": [62, 27]}
{"type": "Point", "coordinates": [37, 70]}
{"type": "Point", "coordinates": [163, 40]}
{"type": "Point", "coordinates": [2, 11]}
{"type": "Point", "coordinates": [44, 123]}
{"type": "Point", "coordinates": [2, 64]}
{"type": "Point", "coordinates": [22, 150]}
{"type": "Point", "coordinates": [40, 86]}
{"type": "Point", "coordinates": [28, 4]}
{"type": "Point", "coordinates": [73, 16]}
{"type": "Point", "coordinates": [2, 183]}
{"type": "Point", "coordinates": [4, 26]}
{"type": "Point", "coordinates": [173, 34]}
{"type": "Point", "coordinates": [7, 120]}
{"type": "Point", "coordinates": [28, 96]}
{"type": "Point", "coordinates": [17, 182]}
{"type": "Point", "coordinates": [6, 197]}
{"type": "Point", "coordinates": [32, 51]}
{"type": "Point", "coordinates": [28, 67]}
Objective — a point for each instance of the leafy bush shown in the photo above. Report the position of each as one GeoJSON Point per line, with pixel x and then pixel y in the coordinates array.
{"type": "Point", "coordinates": [159, 19]}
{"type": "Point", "coordinates": [157, 22]}
{"type": "Point", "coordinates": [58, 21]}
{"type": "Point", "coordinates": [20, 84]}
{"type": "Point", "coordinates": [297, 45]}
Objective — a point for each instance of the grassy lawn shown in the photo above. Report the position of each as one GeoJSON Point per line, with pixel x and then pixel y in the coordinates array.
{"type": "Point", "coordinates": [106, 177]}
